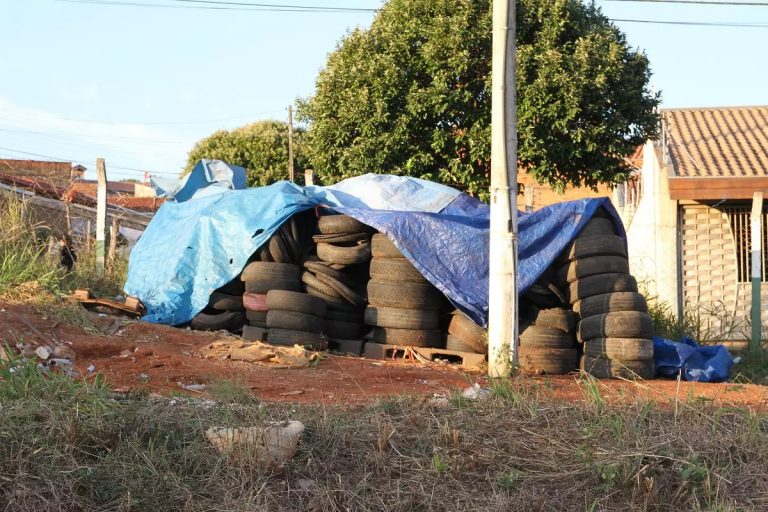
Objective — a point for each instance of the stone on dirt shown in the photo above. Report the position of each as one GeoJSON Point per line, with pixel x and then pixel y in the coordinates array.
{"type": "Point", "coordinates": [476, 392]}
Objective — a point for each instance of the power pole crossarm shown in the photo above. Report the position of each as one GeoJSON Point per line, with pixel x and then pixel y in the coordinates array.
{"type": "Point", "coordinates": [502, 292]}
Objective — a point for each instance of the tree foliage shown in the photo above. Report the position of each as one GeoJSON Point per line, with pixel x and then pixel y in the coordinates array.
{"type": "Point", "coordinates": [411, 95]}
{"type": "Point", "coordinates": [261, 148]}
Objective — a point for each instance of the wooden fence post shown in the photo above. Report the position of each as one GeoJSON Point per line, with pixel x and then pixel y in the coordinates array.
{"type": "Point", "coordinates": [101, 213]}
{"type": "Point", "coordinates": [112, 253]}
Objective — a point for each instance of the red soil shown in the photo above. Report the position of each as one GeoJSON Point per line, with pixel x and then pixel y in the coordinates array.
{"type": "Point", "coordinates": [142, 355]}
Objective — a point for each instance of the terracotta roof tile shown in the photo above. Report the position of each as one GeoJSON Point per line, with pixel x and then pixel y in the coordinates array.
{"type": "Point", "coordinates": [718, 142]}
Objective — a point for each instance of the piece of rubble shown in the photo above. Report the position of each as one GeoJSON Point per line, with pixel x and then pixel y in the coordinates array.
{"type": "Point", "coordinates": [274, 444]}
{"type": "Point", "coordinates": [439, 401]}
{"type": "Point", "coordinates": [91, 368]}
{"type": "Point", "coordinates": [43, 353]}
{"type": "Point", "coordinates": [64, 352]}
{"type": "Point", "coordinates": [476, 392]}
{"type": "Point", "coordinates": [191, 387]}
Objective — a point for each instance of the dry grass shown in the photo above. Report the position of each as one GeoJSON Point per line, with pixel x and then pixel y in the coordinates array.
{"type": "Point", "coordinates": [68, 445]}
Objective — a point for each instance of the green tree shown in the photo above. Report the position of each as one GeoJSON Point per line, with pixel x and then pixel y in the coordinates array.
{"type": "Point", "coordinates": [261, 148]}
{"type": "Point", "coordinates": [411, 95]}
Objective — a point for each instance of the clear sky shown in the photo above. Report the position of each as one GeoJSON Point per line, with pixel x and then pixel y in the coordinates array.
{"type": "Point", "coordinates": [139, 85]}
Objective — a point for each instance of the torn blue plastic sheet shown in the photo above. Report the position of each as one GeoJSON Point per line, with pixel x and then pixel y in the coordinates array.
{"type": "Point", "coordinates": [191, 248]}
{"type": "Point", "coordinates": [694, 362]}
{"type": "Point", "coordinates": [207, 177]}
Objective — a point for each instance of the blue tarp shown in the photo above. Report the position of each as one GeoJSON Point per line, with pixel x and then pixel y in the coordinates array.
{"type": "Point", "coordinates": [191, 248]}
{"type": "Point", "coordinates": [694, 362]}
{"type": "Point", "coordinates": [207, 177]}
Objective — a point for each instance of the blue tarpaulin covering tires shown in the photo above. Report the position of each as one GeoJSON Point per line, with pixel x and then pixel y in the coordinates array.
{"type": "Point", "coordinates": [193, 247]}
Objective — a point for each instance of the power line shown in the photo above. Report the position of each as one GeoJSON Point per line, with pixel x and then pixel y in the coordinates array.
{"type": "Point", "coordinates": [228, 6]}
{"type": "Point", "coordinates": [151, 123]}
{"type": "Point", "coordinates": [694, 23]}
{"type": "Point", "coordinates": [697, 2]}
{"type": "Point", "coordinates": [62, 159]}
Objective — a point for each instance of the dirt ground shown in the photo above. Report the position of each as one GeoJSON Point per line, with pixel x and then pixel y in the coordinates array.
{"type": "Point", "coordinates": [133, 355]}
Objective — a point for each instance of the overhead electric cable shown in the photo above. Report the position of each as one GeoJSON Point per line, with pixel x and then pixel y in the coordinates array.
{"type": "Point", "coordinates": [697, 2]}
{"type": "Point", "coordinates": [229, 6]}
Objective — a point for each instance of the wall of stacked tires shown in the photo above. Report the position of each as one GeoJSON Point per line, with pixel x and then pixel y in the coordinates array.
{"type": "Point", "coordinates": [327, 281]}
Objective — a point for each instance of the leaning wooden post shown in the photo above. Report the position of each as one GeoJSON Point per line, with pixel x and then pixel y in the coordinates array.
{"type": "Point", "coordinates": [111, 254]}
{"type": "Point", "coordinates": [757, 264]}
{"type": "Point", "coordinates": [309, 177]}
{"type": "Point", "coordinates": [291, 176]}
{"type": "Point", "coordinates": [101, 213]}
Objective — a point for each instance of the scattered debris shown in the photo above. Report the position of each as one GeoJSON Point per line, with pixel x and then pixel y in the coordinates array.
{"type": "Point", "coordinates": [64, 352]}
{"type": "Point", "coordinates": [131, 307]}
{"type": "Point", "coordinates": [292, 393]}
{"type": "Point", "coordinates": [91, 368]}
{"type": "Point", "coordinates": [260, 353]}
{"type": "Point", "coordinates": [274, 444]}
{"type": "Point", "coordinates": [439, 401]}
{"type": "Point", "coordinates": [476, 392]}
{"type": "Point", "coordinates": [198, 388]}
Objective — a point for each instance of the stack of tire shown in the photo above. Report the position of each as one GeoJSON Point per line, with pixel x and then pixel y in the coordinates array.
{"type": "Point", "coordinates": [547, 331]}
{"type": "Point", "coordinates": [225, 310]}
{"type": "Point", "coordinates": [614, 325]}
{"type": "Point", "coordinates": [295, 318]}
{"type": "Point", "coordinates": [464, 335]}
{"type": "Point", "coordinates": [403, 306]}
{"type": "Point", "coordinates": [259, 278]}
{"type": "Point", "coordinates": [289, 243]}
{"type": "Point", "coordinates": [338, 275]}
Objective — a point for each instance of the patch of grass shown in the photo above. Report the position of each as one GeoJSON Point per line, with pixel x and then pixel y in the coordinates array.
{"type": "Point", "coordinates": [752, 368]}
{"type": "Point", "coordinates": [230, 391]}
{"type": "Point", "coordinates": [72, 445]}
{"type": "Point", "coordinates": [28, 273]}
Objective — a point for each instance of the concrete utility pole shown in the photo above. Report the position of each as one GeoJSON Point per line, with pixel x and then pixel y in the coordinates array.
{"type": "Point", "coordinates": [756, 225]}
{"type": "Point", "coordinates": [291, 176]}
{"type": "Point", "coordinates": [101, 213]}
{"type": "Point", "coordinates": [502, 293]}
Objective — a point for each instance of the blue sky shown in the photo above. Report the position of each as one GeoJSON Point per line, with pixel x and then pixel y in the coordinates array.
{"type": "Point", "coordinates": [139, 86]}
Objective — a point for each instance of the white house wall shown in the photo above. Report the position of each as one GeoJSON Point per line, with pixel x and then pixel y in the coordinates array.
{"type": "Point", "coordinates": [652, 234]}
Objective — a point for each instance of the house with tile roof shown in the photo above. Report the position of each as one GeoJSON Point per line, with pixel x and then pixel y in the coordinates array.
{"type": "Point", "coordinates": [689, 239]}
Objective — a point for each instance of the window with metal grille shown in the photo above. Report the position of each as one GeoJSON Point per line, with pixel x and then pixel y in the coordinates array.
{"type": "Point", "coordinates": [739, 218]}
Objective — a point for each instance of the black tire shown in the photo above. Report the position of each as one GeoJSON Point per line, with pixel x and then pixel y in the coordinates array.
{"type": "Point", "coordinates": [547, 361]}
{"type": "Point", "coordinates": [340, 238]}
{"type": "Point", "coordinates": [468, 332]}
{"type": "Point", "coordinates": [263, 254]}
{"type": "Point", "coordinates": [256, 317]}
{"type": "Point", "coordinates": [295, 301]}
{"type": "Point", "coordinates": [293, 320]}
{"type": "Point", "coordinates": [289, 338]}
{"type": "Point", "coordinates": [598, 226]}
{"type": "Point", "coordinates": [343, 290]}
{"type": "Point", "coordinates": [342, 330]}
{"type": "Point", "coordinates": [263, 286]}
{"type": "Point", "coordinates": [234, 287]}
{"type": "Point", "coordinates": [614, 368]}
{"type": "Point", "coordinates": [313, 282]}
{"type": "Point", "coordinates": [623, 324]}
{"type": "Point", "coordinates": [227, 321]}
{"type": "Point", "coordinates": [359, 253]}
{"type": "Point", "coordinates": [544, 296]}
{"type": "Point", "coordinates": [320, 267]}
{"type": "Point", "coordinates": [262, 270]}
{"type": "Point", "coordinates": [333, 224]}
{"type": "Point", "coordinates": [355, 317]}
{"type": "Point", "coordinates": [395, 269]}
{"type": "Point", "coordinates": [400, 318]}
{"type": "Point", "coordinates": [556, 318]}
{"type": "Point", "coordinates": [293, 246]}
{"type": "Point", "coordinates": [278, 249]}
{"type": "Point", "coordinates": [593, 265]}
{"type": "Point", "coordinates": [328, 299]}
{"type": "Point", "coordinates": [599, 284]}
{"type": "Point", "coordinates": [254, 333]}
{"type": "Point", "coordinates": [408, 337]}
{"type": "Point", "coordinates": [584, 247]}
{"type": "Point", "coordinates": [382, 247]}
{"type": "Point", "coordinates": [624, 349]}
{"type": "Point", "coordinates": [610, 303]}
{"type": "Point", "coordinates": [224, 302]}
{"type": "Point", "coordinates": [457, 344]}
{"type": "Point", "coordinates": [403, 295]}
{"type": "Point", "coordinates": [545, 337]}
